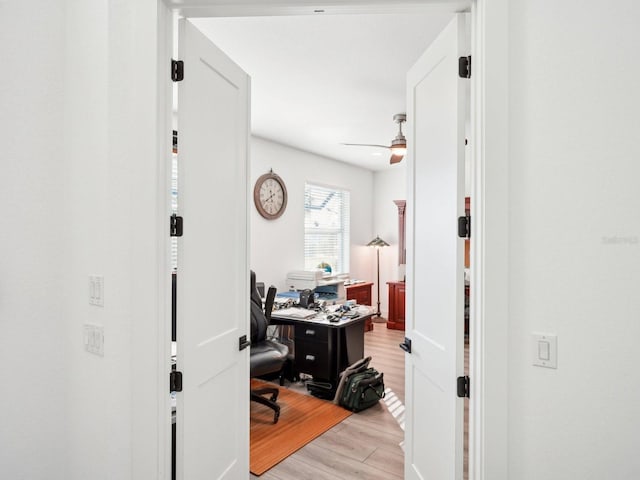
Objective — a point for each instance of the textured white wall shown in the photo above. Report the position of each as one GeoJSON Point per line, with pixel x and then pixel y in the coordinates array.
{"type": "Point", "coordinates": [277, 246]}
{"type": "Point", "coordinates": [33, 240]}
{"type": "Point", "coordinates": [574, 238]}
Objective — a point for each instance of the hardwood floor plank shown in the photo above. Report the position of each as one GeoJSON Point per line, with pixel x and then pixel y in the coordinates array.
{"type": "Point", "coordinates": [341, 466]}
{"type": "Point", "coordinates": [389, 460]}
{"type": "Point", "coordinates": [296, 467]}
{"type": "Point", "coordinates": [346, 443]}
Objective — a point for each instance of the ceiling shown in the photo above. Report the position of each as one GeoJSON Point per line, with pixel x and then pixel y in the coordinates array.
{"type": "Point", "coordinates": [322, 80]}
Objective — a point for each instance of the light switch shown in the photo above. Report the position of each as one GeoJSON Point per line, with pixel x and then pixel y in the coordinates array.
{"type": "Point", "coordinates": [545, 350]}
{"type": "Point", "coordinates": [93, 338]}
{"type": "Point", "coordinates": [96, 290]}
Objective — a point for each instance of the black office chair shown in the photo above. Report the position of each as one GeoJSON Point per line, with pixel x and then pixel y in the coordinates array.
{"type": "Point", "coordinates": [267, 356]}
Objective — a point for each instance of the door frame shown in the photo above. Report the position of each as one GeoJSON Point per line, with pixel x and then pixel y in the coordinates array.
{"type": "Point", "coordinates": [488, 446]}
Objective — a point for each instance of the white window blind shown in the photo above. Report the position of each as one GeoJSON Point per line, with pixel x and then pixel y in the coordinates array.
{"type": "Point", "coordinates": [326, 227]}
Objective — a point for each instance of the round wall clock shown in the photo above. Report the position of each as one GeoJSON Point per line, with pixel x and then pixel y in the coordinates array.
{"type": "Point", "coordinates": [270, 195]}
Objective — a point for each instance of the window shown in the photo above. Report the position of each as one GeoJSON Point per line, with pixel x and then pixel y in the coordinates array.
{"type": "Point", "coordinates": [326, 228]}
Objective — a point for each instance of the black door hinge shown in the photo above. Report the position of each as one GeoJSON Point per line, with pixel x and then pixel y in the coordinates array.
{"type": "Point", "coordinates": [463, 387]}
{"type": "Point", "coordinates": [177, 70]}
{"type": "Point", "coordinates": [464, 67]}
{"type": "Point", "coordinates": [175, 381]}
{"type": "Point", "coordinates": [243, 342]}
{"type": "Point", "coordinates": [464, 226]}
{"type": "Point", "coordinates": [175, 226]}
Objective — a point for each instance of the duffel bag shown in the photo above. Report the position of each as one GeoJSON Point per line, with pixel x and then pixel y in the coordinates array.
{"type": "Point", "coordinates": [362, 390]}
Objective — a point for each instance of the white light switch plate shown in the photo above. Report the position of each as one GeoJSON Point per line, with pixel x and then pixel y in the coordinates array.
{"type": "Point", "coordinates": [545, 350]}
{"type": "Point", "coordinates": [96, 290]}
{"type": "Point", "coordinates": [93, 338]}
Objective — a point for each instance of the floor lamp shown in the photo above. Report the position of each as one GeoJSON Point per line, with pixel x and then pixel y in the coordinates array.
{"type": "Point", "coordinates": [378, 243]}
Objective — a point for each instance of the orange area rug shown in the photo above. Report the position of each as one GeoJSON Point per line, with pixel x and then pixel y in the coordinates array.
{"type": "Point", "coordinates": [302, 418]}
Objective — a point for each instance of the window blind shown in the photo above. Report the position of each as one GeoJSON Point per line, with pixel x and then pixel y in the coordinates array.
{"type": "Point", "coordinates": [326, 227]}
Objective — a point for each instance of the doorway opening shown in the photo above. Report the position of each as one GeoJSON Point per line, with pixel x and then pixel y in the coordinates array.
{"type": "Point", "coordinates": [467, 344]}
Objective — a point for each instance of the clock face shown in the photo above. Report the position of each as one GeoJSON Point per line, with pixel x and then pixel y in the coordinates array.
{"type": "Point", "coordinates": [270, 196]}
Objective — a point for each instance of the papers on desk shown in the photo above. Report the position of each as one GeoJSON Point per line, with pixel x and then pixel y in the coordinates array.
{"type": "Point", "coordinates": [295, 313]}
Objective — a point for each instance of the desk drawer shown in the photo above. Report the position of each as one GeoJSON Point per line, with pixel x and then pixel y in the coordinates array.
{"type": "Point", "coordinates": [312, 333]}
{"type": "Point", "coordinates": [314, 359]}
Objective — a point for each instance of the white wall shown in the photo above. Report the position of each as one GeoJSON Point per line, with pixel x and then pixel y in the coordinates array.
{"type": "Point", "coordinates": [574, 238]}
{"type": "Point", "coordinates": [277, 246]}
{"type": "Point", "coordinates": [389, 185]}
{"type": "Point", "coordinates": [112, 189]}
{"type": "Point", "coordinates": [80, 196]}
{"type": "Point", "coordinates": [33, 240]}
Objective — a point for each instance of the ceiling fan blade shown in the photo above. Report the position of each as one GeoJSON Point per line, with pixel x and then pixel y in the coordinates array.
{"type": "Point", "coordinates": [395, 159]}
{"type": "Point", "coordinates": [364, 145]}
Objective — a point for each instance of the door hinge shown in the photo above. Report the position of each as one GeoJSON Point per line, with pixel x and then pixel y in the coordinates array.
{"type": "Point", "coordinates": [243, 342]}
{"type": "Point", "coordinates": [406, 345]}
{"type": "Point", "coordinates": [175, 226]}
{"type": "Point", "coordinates": [177, 70]}
{"type": "Point", "coordinates": [463, 387]}
{"type": "Point", "coordinates": [175, 381]}
{"type": "Point", "coordinates": [464, 226]}
{"type": "Point", "coordinates": [464, 67]}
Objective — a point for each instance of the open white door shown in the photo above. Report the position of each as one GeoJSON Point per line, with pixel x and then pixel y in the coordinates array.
{"type": "Point", "coordinates": [213, 273]}
{"type": "Point", "coordinates": [436, 107]}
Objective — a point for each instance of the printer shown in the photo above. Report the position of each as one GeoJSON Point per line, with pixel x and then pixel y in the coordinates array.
{"type": "Point", "coordinates": [327, 288]}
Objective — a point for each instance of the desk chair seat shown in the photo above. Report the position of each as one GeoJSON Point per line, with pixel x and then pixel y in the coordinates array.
{"type": "Point", "coordinates": [267, 356]}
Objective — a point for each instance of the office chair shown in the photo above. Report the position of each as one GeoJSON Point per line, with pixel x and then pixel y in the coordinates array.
{"type": "Point", "coordinates": [267, 356]}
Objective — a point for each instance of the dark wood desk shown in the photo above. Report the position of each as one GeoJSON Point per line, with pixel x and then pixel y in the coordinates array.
{"type": "Point", "coordinates": [324, 349]}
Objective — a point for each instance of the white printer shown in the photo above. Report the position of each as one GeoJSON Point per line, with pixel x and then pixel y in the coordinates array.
{"type": "Point", "coordinates": [324, 286]}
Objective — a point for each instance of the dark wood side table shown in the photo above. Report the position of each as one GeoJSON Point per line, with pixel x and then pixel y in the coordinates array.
{"type": "Point", "coordinates": [396, 305]}
{"type": "Point", "coordinates": [361, 293]}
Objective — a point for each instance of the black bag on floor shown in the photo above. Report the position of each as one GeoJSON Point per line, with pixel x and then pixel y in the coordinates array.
{"type": "Point", "coordinates": [323, 390]}
{"type": "Point", "coordinates": [362, 390]}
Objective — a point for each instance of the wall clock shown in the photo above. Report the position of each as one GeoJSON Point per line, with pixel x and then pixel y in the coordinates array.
{"type": "Point", "coordinates": [270, 195]}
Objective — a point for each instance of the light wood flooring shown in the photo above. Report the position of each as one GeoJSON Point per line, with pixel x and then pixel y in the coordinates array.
{"type": "Point", "coordinates": [367, 444]}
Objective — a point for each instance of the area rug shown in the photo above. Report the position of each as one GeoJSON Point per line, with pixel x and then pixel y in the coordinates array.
{"type": "Point", "coordinates": [302, 418]}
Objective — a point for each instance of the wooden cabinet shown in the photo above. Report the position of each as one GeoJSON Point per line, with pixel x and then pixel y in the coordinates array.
{"type": "Point", "coordinates": [361, 293]}
{"type": "Point", "coordinates": [396, 305]}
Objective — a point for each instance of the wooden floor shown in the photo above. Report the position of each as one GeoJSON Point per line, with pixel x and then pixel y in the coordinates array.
{"type": "Point", "coordinates": [365, 445]}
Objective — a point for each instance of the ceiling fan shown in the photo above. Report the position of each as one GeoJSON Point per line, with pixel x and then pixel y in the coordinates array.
{"type": "Point", "coordinates": [398, 145]}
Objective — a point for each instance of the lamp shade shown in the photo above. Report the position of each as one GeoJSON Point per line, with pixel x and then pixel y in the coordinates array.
{"type": "Point", "coordinates": [377, 242]}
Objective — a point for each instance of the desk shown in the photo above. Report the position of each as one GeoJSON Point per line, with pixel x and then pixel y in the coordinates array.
{"type": "Point", "coordinates": [324, 349]}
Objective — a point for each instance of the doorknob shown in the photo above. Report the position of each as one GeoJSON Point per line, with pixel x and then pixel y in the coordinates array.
{"type": "Point", "coordinates": [406, 345]}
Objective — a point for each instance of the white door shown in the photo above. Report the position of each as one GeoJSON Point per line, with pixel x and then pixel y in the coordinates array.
{"type": "Point", "coordinates": [213, 275]}
{"type": "Point", "coordinates": [436, 109]}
